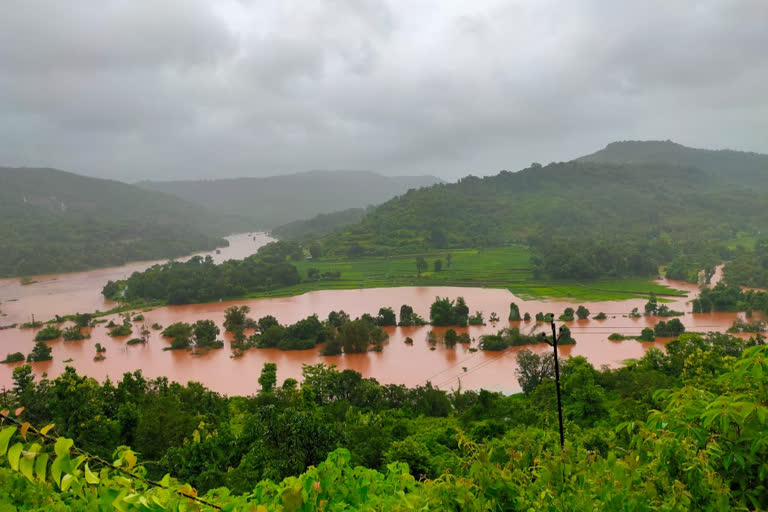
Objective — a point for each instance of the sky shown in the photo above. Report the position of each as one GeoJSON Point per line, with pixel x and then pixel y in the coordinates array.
{"type": "Point", "coordinates": [201, 89]}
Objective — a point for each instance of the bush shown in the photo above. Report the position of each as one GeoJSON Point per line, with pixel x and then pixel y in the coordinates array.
{"type": "Point", "coordinates": [135, 341]}
{"type": "Point", "coordinates": [41, 352]}
{"type": "Point", "coordinates": [50, 332]}
{"type": "Point", "coordinates": [73, 334]}
{"type": "Point", "coordinates": [120, 330]}
{"type": "Point", "coordinates": [476, 319]}
{"type": "Point", "coordinates": [647, 335]}
{"type": "Point", "coordinates": [13, 358]}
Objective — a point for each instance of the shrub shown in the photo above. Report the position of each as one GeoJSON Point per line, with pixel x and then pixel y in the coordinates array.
{"type": "Point", "coordinates": [13, 358]}
{"type": "Point", "coordinates": [50, 332]}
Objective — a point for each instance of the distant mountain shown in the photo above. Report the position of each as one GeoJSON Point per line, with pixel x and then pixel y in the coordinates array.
{"type": "Point", "coordinates": [319, 225]}
{"type": "Point", "coordinates": [277, 200]}
{"type": "Point", "coordinates": [733, 166]}
{"type": "Point", "coordinates": [57, 221]}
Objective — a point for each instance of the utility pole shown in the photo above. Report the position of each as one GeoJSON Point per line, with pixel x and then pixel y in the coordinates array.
{"type": "Point", "coordinates": [557, 382]}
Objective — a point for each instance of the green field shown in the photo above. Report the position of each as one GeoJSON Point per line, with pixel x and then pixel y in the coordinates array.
{"type": "Point", "coordinates": [506, 267]}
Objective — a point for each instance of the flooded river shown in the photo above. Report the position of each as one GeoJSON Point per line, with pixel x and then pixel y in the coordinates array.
{"type": "Point", "coordinates": [397, 363]}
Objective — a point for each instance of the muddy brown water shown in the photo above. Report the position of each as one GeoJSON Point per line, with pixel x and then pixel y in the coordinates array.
{"type": "Point", "coordinates": [398, 363]}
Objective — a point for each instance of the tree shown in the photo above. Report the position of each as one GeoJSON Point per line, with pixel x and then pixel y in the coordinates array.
{"type": "Point", "coordinates": [406, 313]}
{"type": "Point", "coordinates": [514, 313]}
{"type": "Point", "coordinates": [204, 333]}
{"type": "Point", "coordinates": [582, 313]}
{"type": "Point", "coordinates": [235, 317]}
{"type": "Point", "coordinates": [567, 315]}
{"type": "Point", "coordinates": [647, 335]}
{"type": "Point", "coordinates": [338, 318]}
{"type": "Point", "coordinates": [448, 260]}
{"type": "Point", "coordinates": [41, 352]}
{"type": "Point", "coordinates": [652, 305]}
{"type": "Point", "coordinates": [438, 265]}
{"type": "Point", "coordinates": [386, 317]}
{"type": "Point", "coordinates": [268, 378]}
{"type": "Point", "coordinates": [315, 251]}
{"type": "Point", "coordinates": [532, 369]}
{"type": "Point", "coordinates": [421, 265]}
{"type": "Point", "coordinates": [451, 337]}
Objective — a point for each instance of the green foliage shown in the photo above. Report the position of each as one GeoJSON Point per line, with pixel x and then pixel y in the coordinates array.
{"type": "Point", "coordinates": [120, 330]}
{"type": "Point", "coordinates": [41, 352]}
{"type": "Point", "coordinates": [14, 357]}
{"type": "Point", "coordinates": [567, 315]}
{"type": "Point", "coordinates": [86, 222]}
{"type": "Point", "coordinates": [268, 377]}
{"type": "Point", "coordinates": [582, 313]}
{"type": "Point", "coordinates": [73, 333]}
{"type": "Point", "coordinates": [514, 313]}
{"type": "Point", "coordinates": [681, 430]}
{"type": "Point", "coordinates": [50, 332]}
{"type": "Point", "coordinates": [444, 311]}
{"type": "Point", "coordinates": [671, 328]}
{"type": "Point", "coordinates": [386, 317]}
{"type": "Point", "coordinates": [200, 279]}
{"type": "Point", "coordinates": [647, 334]}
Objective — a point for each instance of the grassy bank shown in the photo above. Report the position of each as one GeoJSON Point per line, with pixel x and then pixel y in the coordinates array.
{"type": "Point", "coordinates": [506, 267]}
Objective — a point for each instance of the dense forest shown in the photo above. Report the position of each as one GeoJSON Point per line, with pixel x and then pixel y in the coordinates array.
{"type": "Point", "coordinates": [676, 430]}
{"type": "Point", "coordinates": [277, 200]}
{"type": "Point", "coordinates": [319, 225]}
{"type": "Point", "coordinates": [55, 221]}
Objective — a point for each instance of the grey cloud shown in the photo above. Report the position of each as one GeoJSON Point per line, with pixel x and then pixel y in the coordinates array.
{"type": "Point", "coordinates": [233, 87]}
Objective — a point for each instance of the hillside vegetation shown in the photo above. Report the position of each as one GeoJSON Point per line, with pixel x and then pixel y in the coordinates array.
{"type": "Point", "coordinates": [677, 430]}
{"type": "Point", "coordinates": [276, 200]}
{"type": "Point", "coordinates": [582, 219]}
{"type": "Point", "coordinates": [732, 166]}
{"type": "Point", "coordinates": [56, 221]}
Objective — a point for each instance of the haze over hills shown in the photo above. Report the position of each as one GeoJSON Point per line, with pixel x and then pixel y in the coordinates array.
{"type": "Point", "coordinates": [735, 166]}
{"type": "Point", "coordinates": [277, 200]}
{"type": "Point", "coordinates": [55, 221]}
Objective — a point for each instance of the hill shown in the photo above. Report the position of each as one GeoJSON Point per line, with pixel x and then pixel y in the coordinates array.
{"type": "Point", "coordinates": [733, 166]}
{"type": "Point", "coordinates": [277, 200]}
{"type": "Point", "coordinates": [57, 221]}
{"type": "Point", "coordinates": [582, 218]}
{"type": "Point", "coordinates": [320, 224]}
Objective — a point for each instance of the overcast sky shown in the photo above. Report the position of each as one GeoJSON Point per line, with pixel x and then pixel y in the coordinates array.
{"type": "Point", "coordinates": [137, 89]}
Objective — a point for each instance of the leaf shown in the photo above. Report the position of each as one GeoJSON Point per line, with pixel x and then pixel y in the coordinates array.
{"type": "Point", "coordinates": [18, 411]}
{"type": "Point", "coordinates": [130, 458]}
{"type": "Point", "coordinates": [56, 471]}
{"type": "Point", "coordinates": [166, 480]}
{"type": "Point", "coordinates": [47, 428]}
{"type": "Point", "coordinates": [66, 482]}
{"type": "Point", "coordinates": [5, 437]}
{"type": "Point", "coordinates": [13, 455]}
{"type": "Point", "coordinates": [27, 466]}
{"type": "Point", "coordinates": [89, 476]}
{"type": "Point", "coordinates": [62, 446]}
{"type": "Point", "coordinates": [40, 466]}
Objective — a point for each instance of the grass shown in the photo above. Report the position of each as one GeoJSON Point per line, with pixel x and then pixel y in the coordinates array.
{"type": "Point", "coordinates": [505, 267]}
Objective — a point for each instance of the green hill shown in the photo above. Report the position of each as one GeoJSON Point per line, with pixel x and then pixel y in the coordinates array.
{"type": "Point", "coordinates": [733, 166]}
{"type": "Point", "coordinates": [277, 200]}
{"type": "Point", "coordinates": [319, 224]}
{"type": "Point", "coordinates": [57, 221]}
{"type": "Point", "coordinates": [582, 219]}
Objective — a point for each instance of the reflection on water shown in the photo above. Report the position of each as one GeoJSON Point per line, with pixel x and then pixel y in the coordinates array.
{"type": "Point", "coordinates": [397, 363]}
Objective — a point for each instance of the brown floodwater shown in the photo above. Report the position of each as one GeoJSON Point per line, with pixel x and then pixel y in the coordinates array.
{"type": "Point", "coordinates": [80, 292]}
{"type": "Point", "coordinates": [398, 363]}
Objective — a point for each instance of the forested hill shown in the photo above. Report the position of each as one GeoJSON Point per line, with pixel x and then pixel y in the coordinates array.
{"type": "Point", "coordinates": [276, 200]}
{"type": "Point", "coordinates": [576, 200]}
{"type": "Point", "coordinates": [735, 166]}
{"type": "Point", "coordinates": [55, 221]}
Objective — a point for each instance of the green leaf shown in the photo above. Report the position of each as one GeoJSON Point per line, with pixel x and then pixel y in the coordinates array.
{"type": "Point", "coordinates": [46, 429]}
{"type": "Point", "coordinates": [89, 476]}
{"type": "Point", "coordinates": [56, 471]}
{"type": "Point", "coordinates": [27, 466]}
{"type": "Point", "coordinates": [67, 481]}
{"type": "Point", "coordinates": [40, 466]}
{"type": "Point", "coordinates": [13, 455]}
{"type": "Point", "coordinates": [5, 437]}
{"type": "Point", "coordinates": [62, 446]}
